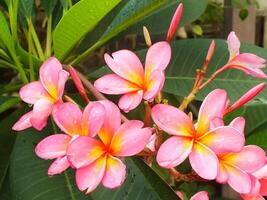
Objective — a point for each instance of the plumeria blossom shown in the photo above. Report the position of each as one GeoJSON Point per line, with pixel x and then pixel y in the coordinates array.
{"type": "Point", "coordinates": [43, 94]}
{"type": "Point", "coordinates": [202, 195]}
{"type": "Point", "coordinates": [259, 184]}
{"type": "Point", "coordinates": [131, 79]}
{"type": "Point", "coordinates": [97, 160]}
{"type": "Point", "coordinates": [74, 123]}
{"type": "Point", "coordinates": [235, 168]}
{"type": "Point", "coordinates": [249, 63]}
{"type": "Point", "coordinates": [200, 142]}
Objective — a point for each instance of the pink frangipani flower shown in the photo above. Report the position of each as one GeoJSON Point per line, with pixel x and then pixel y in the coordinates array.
{"type": "Point", "coordinates": [235, 168]}
{"type": "Point", "coordinates": [97, 160]}
{"type": "Point", "coordinates": [74, 124]}
{"type": "Point", "coordinates": [131, 79]}
{"type": "Point", "coordinates": [43, 94]}
{"type": "Point", "coordinates": [249, 63]}
{"type": "Point", "coordinates": [200, 142]}
{"type": "Point", "coordinates": [202, 195]}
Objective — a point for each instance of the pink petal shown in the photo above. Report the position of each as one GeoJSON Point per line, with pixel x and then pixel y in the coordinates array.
{"type": "Point", "coordinates": [114, 84]}
{"type": "Point", "coordinates": [222, 175]}
{"type": "Point", "coordinates": [115, 173]}
{"type": "Point", "coordinates": [158, 57]}
{"type": "Point", "coordinates": [204, 161]}
{"type": "Point", "coordinates": [68, 118]}
{"type": "Point", "coordinates": [92, 119]}
{"type": "Point", "coordinates": [84, 151]}
{"type": "Point", "coordinates": [250, 159]}
{"type": "Point", "coordinates": [249, 95]}
{"type": "Point", "coordinates": [174, 151]}
{"type": "Point", "coordinates": [152, 142]}
{"type": "Point", "coordinates": [223, 139]}
{"type": "Point", "coordinates": [53, 146]}
{"type": "Point", "coordinates": [23, 122]}
{"type": "Point", "coordinates": [252, 197]}
{"type": "Point", "coordinates": [130, 101]}
{"type": "Point", "coordinates": [261, 173]}
{"type": "Point", "coordinates": [233, 45]}
{"type": "Point", "coordinates": [58, 166]}
{"type": "Point", "coordinates": [180, 195]}
{"type": "Point", "coordinates": [212, 108]}
{"type": "Point", "coordinates": [127, 65]}
{"type": "Point", "coordinates": [41, 111]}
{"type": "Point", "coordinates": [89, 177]}
{"type": "Point", "coordinates": [32, 92]}
{"type": "Point", "coordinates": [172, 120]}
{"type": "Point", "coordinates": [239, 124]}
{"type": "Point", "coordinates": [130, 139]}
{"type": "Point", "coordinates": [62, 79]}
{"type": "Point", "coordinates": [175, 22]}
{"type": "Point", "coordinates": [202, 195]}
{"type": "Point", "coordinates": [239, 180]}
{"type": "Point", "coordinates": [111, 122]}
{"type": "Point", "coordinates": [263, 189]}
{"type": "Point", "coordinates": [49, 75]}
{"type": "Point", "coordinates": [255, 72]}
{"type": "Point", "coordinates": [249, 60]}
{"type": "Point", "coordinates": [154, 85]}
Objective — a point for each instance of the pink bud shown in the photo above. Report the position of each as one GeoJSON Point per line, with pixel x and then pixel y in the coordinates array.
{"type": "Point", "coordinates": [246, 97]}
{"type": "Point", "coordinates": [175, 22]}
{"type": "Point", "coordinates": [78, 83]}
{"type": "Point", "coordinates": [210, 51]}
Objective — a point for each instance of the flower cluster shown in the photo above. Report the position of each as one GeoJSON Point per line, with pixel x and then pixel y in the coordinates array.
{"type": "Point", "coordinates": [94, 140]}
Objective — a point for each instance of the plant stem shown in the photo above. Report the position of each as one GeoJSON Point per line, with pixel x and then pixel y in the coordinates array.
{"type": "Point", "coordinates": [30, 47]}
{"type": "Point", "coordinates": [93, 90]}
{"type": "Point", "coordinates": [48, 37]}
{"type": "Point", "coordinates": [192, 95]}
{"type": "Point", "coordinates": [147, 118]}
{"type": "Point", "coordinates": [35, 39]}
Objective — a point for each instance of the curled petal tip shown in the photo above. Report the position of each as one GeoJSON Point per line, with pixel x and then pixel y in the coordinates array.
{"type": "Point", "coordinates": [175, 22]}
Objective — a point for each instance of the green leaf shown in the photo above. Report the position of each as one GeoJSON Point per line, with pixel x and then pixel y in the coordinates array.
{"type": "Point", "coordinates": [132, 12]}
{"type": "Point", "coordinates": [5, 35]}
{"type": "Point", "coordinates": [243, 14]}
{"type": "Point", "coordinates": [189, 55]}
{"type": "Point", "coordinates": [7, 140]}
{"type": "Point", "coordinates": [29, 180]}
{"type": "Point", "coordinates": [258, 137]}
{"type": "Point", "coordinates": [27, 7]}
{"type": "Point", "coordinates": [158, 22]}
{"type": "Point", "coordinates": [79, 20]}
{"type": "Point", "coordinates": [7, 102]}
{"type": "Point", "coordinates": [49, 5]}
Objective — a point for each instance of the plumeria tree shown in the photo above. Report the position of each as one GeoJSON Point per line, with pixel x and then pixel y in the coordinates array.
{"type": "Point", "coordinates": [189, 120]}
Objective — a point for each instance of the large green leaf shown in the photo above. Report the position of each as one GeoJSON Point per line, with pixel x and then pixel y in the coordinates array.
{"type": "Point", "coordinates": [159, 21]}
{"type": "Point", "coordinates": [7, 139]}
{"type": "Point", "coordinates": [29, 180]}
{"type": "Point", "coordinates": [78, 21]}
{"type": "Point", "coordinates": [189, 55]}
{"type": "Point", "coordinates": [131, 12]}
